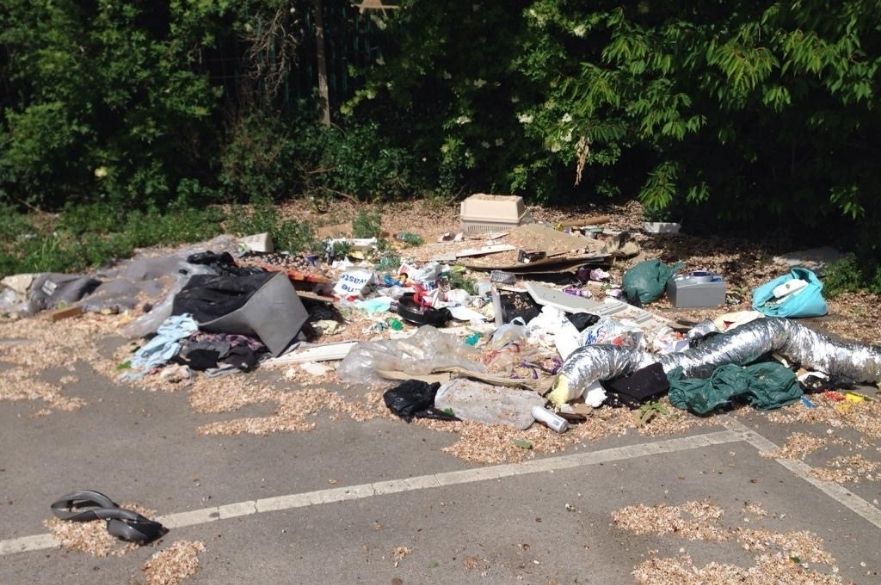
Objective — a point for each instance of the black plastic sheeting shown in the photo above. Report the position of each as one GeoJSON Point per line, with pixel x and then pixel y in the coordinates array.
{"type": "Point", "coordinates": [207, 297]}
{"type": "Point", "coordinates": [414, 399]}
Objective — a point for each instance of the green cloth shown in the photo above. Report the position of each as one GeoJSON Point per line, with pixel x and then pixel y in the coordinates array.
{"type": "Point", "coordinates": [647, 280]}
{"type": "Point", "coordinates": [764, 386]}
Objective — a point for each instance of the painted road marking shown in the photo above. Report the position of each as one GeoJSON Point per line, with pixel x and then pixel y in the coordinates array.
{"type": "Point", "coordinates": [736, 432]}
{"type": "Point", "coordinates": [369, 490]}
{"type": "Point", "coordinates": [837, 492]}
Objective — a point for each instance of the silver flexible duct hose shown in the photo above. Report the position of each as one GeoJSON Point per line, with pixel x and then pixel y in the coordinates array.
{"type": "Point", "coordinates": [847, 360]}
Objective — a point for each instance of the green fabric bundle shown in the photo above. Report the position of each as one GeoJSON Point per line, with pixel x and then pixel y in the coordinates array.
{"type": "Point", "coordinates": [764, 386]}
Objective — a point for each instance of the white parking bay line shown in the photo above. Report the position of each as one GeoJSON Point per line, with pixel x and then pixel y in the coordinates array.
{"type": "Point", "coordinates": [369, 490]}
{"type": "Point", "coordinates": [837, 492]}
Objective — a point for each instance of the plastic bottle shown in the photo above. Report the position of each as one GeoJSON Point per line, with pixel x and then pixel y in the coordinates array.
{"type": "Point", "coordinates": [553, 421]}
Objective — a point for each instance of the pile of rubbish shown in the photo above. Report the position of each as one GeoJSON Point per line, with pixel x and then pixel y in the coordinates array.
{"type": "Point", "coordinates": [511, 321]}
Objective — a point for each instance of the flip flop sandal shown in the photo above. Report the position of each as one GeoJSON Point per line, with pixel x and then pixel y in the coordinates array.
{"type": "Point", "coordinates": [89, 505]}
{"type": "Point", "coordinates": [82, 506]}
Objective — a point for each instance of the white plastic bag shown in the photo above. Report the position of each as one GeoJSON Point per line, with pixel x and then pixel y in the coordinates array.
{"type": "Point", "coordinates": [608, 331]}
{"type": "Point", "coordinates": [551, 328]}
{"type": "Point", "coordinates": [509, 333]}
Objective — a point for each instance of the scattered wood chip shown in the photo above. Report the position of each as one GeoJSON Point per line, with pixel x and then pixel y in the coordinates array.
{"type": "Point", "coordinates": [848, 469]}
{"type": "Point", "coordinates": [797, 447]}
{"type": "Point", "coordinates": [691, 520]}
{"type": "Point", "coordinates": [400, 553]}
{"type": "Point", "coordinates": [779, 559]}
{"type": "Point", "coordinates": [768, 569]}
{"type": "Point", "coordinates": [174, 564]}
{"type": "Point", "coordinates": [92, 537]}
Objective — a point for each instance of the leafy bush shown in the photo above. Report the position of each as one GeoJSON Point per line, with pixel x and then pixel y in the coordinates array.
{"type": "Point", "coordinates": [107, 99]}
{"type": "Point", "coordinates": [842, 276]}
{"type": "Point", "coordinates": [759, 110]}
{"type": "Point", "coordinates": [367, 225]}
{"type": "Point", "coordinates": [79, 242]}
{"type": "Point", "coordinates": [852, 275]}
{"type": "Point", "coordinates": [258, 162]}
{"type": "Point", "coordinates": [358, 162]}
{"type": "Point", "coordinates": [287, 235]}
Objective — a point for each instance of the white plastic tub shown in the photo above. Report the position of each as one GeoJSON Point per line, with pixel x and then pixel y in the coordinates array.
{"type": "Point", "coordinates": [661, 227]}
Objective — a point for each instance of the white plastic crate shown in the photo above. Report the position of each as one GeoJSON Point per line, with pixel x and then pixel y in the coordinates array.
{"type": "Point", "coordinates": [482, 213]}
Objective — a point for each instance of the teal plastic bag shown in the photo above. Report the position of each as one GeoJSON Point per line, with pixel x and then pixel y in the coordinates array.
{"type": "Point", "coordinates": [647, 280]}
{"type": "Point", "coordinates": [809, 302]}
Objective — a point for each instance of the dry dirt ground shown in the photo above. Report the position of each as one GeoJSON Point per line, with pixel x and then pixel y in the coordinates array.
{"type": "Point", "coordinates": [791, 494]}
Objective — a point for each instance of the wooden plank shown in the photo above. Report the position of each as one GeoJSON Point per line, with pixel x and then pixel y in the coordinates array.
{"type": "Point", "coordinates": [587, 221]}
{"type": "Point", "coordinates": [316, 353]}
{"type": "Point", "coordinates": [548, 265]}
{"type": "Point", "coordinates": [311, 296]}
{"type": "Point", "coordinates": [65, 313]}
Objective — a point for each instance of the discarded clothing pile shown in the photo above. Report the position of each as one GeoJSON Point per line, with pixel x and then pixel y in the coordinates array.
{"type": "Point", "coordinates": [764, 386]}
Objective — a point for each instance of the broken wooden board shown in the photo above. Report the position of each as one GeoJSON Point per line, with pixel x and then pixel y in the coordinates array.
{"type": "Point", "coordinates": [65, 313]}
{"type": "Point", "coordinates": [546, 266]}
{"type": "Point", "coordinates": [535, 385]}
{"type": "Point", "coordinates": [442, 375]}
{"type": "Point", "coordinates": [550, 297]}
{"type": "Point", "coordinates": [471, 252]}
{"type": "Point", "coordinates": [550, 241]}
{"type": "Point", "coordinates": [311, 296]}
{"type": "Point", "coordinates": [587, 221]}
{"type": "Point", "coordinates": [397, 375]}
{"type": "Point", "coordinates": [315, 353]}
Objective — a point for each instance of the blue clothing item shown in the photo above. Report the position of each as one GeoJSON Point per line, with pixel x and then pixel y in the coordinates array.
{"type": "Point", "coordinates": [166, 344]}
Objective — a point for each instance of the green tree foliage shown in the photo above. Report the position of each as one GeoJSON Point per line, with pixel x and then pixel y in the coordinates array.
{"type": "Point", "coordinates": [745, 113]}
{"type": "Point", "coordinates": [759, 109]}
{"type": "Point", "coordinates": [728, 111]}
{"type": "Point", "coordinates": [446, 89]}
{"type": "Point", "coordinates": [105, 98]}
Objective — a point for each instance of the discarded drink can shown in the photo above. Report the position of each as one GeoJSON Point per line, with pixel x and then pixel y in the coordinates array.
{"type": "Point", "coordinates": [554, 421]}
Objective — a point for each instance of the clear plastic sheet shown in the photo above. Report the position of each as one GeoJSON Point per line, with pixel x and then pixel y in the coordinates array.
{"type": "Point", "coordinates": [149, 322]}
{"type": "Point", "coordinates": [148, 276]}
{"type": "Point", "coordinates": [424, 351]}
{"type": "Point", "coordinates": [488, 404]}
{"type": "Point", "coordinates": [844, 360]}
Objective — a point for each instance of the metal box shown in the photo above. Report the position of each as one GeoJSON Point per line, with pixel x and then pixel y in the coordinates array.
{"type": "Point", "coordinates": [697, 290]}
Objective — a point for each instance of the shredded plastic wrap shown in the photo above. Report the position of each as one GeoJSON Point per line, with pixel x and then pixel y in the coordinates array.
{"type": "Point", "coordinates": [845, 360]}
{"type": "Point", "coordinates": [426, 350]}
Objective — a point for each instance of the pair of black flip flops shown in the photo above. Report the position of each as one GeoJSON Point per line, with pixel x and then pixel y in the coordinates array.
{"type": "Point", "coordinates": [88, 505]}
